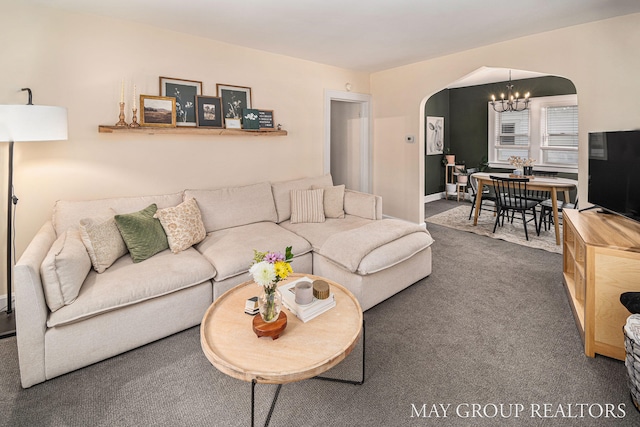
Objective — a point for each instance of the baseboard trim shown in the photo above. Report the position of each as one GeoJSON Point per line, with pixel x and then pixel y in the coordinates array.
{"type": "Point", "coordinates": [433, 197]}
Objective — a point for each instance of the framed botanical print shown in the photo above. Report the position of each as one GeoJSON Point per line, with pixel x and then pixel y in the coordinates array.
{"type": "Point", "coordinates": [185, 92]}
{"type": "Point", "coordinates": [209, 112]}
{"type": "Point", "coordinates": [250, 119]}
{"type": "Point", "coordinates": [157, 111]}
{"type": "Point", "coordinates": [234, 100]}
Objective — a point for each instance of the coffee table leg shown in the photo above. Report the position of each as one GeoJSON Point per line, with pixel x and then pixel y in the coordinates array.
{"type": "Point", "coordinates": [275, 398]}
{"type": "Point", "coordinates": [364, 347]}
{"type": "Point", "coordinates": [273, 403]}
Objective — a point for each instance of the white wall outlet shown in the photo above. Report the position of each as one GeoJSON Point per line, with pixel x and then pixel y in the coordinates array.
{"type": "Point", "coordinates": [409, 139]}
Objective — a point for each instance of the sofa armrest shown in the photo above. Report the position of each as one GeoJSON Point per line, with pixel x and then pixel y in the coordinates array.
{"type": "Point", "coordinates": [364, 205]}
{"type": "Point", "coordinates": [31, 307]}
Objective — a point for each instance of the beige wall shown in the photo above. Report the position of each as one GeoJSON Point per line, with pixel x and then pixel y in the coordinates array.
{"type": "Point", "coordinates": [599, 58]}
{"type": "Point", "coordinates": [78, 61]}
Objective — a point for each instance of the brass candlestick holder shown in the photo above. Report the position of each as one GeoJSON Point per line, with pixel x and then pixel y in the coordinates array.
{"type": "Point", "coordinates": [134, 119]}
{"type": "Point", "coordinates": [121, 116]}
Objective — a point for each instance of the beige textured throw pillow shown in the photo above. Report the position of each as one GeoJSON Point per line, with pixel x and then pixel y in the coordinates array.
{"type": "Point", "coordinates": [333, 201]}
{"type": "Point", "coordinates": [64, 269]}
{"type": "Point", "coordinates": [103, 241]}
{"type": "Point", "coordinates": [307, 206]}
{"type": "Point", "coordinates": [182, 224]}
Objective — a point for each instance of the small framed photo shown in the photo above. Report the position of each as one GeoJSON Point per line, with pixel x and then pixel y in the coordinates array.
{"type": "Point", "coordinates": [185, 92]}
{"type": "Point", "coordinates": [232, 123]}
{"type": "Point", "coordinates": [157, 111]}
{"type": "Point", "coordinates": [234, 100]}
{"type": "Point", "coordinates": [209, 112]}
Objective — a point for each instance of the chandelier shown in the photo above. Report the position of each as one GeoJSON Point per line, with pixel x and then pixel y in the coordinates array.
{"type": "Point", "coordinates": [512, 101]}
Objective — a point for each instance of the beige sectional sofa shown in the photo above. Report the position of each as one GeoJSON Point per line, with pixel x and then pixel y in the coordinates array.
{"type": "Point", "coordinates": [69, 315]}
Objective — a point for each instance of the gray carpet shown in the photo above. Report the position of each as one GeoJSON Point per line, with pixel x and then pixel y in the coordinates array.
{"type": "Point", "coordinates": [490, 326]}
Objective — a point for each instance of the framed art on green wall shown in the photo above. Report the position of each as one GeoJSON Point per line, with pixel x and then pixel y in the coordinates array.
{"type": "Point", "coordinates": [435, 135]}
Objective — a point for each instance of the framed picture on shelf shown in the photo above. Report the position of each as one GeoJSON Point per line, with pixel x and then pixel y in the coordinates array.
{"type": "Point", "coordinates": [208, 111]}
{"type": "Point", "coordinates": [157, 111]}
{"type": "Point", "coordinates": [232, 123]}
{"type": "Point", "coordinates": [265, 119]}
{"type": "Point", "coordinates": [234, 100]}
{"type": "Point", "coordinates": [184, 92]}
{"type": "Point", "coordinates": [250, 119]}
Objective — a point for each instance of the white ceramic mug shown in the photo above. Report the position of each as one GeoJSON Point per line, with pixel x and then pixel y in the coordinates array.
{"type": "Point", "coordinates": [304, 293]}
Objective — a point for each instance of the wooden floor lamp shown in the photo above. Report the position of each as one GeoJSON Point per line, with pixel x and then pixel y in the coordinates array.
{"type": "Point", "coordinates": [22, 123]}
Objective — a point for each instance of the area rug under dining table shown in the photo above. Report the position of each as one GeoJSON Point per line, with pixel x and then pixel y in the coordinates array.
{"type": "Point", "coordinates": [458, 218]}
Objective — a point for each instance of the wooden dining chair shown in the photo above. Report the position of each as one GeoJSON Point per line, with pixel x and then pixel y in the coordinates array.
{"type": "Point", "coordinates": [511, 197]}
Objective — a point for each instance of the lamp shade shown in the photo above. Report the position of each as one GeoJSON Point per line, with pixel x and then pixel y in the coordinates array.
{"type": "Point", "coordinates": [32, 123]}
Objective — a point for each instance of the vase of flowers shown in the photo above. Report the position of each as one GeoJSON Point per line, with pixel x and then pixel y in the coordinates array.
{"type": "Point", "coordinates": [523, 166]}
{"type": "Point", "coordinates": [267, 270]}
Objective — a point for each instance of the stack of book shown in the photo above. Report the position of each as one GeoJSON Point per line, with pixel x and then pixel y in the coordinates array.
{"type": "Point", "coordinates": [308, 311]}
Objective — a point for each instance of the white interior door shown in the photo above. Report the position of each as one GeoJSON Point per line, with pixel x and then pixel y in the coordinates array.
{"type": "Point", "coordinates": [347, 153]}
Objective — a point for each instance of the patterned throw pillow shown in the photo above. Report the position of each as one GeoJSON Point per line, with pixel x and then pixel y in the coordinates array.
{"type": "Point", "coordinates": [103, 241]}
{"type": "Point", "coordinates": [307, 206]}
{"type": "Point", "coordinates": [182, 224]}
{"type": "Point", "coordinates": [142, 233]}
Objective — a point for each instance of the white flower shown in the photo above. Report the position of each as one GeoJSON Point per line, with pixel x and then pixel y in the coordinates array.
{"type": "Point", "coordinates": [264, 273]}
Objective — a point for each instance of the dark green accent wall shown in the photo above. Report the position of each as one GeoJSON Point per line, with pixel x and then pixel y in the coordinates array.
{"type": "Point", "coordinates": [467, 120]}
{"type": "Point", "coordinates": [437, 105]}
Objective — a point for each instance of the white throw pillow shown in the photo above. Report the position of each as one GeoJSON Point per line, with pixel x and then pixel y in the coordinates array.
{"type": "Point", "coordinates": [103, 240]}
{"type": "Point", "coordinates": [307, 206]}
{"type": "Point", "coordinates": [333, 200]}
{"type": "Point", "coordinates": [182, 224]}
{"type": "Point", "coordinates": [64, 269]}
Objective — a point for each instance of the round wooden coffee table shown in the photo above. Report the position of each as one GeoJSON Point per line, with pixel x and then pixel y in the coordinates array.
{"type": "Point", "coordinates": [303, 350]}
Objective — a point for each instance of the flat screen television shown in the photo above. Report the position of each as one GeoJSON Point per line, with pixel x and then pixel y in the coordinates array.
{"type": "Point", "coordinates": [614, 172]}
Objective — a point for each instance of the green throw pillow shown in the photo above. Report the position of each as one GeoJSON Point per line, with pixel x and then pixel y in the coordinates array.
{"type": "Point", "coordinates": [142, 233]}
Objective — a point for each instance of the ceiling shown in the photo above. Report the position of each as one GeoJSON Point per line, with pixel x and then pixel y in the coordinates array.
{"type": "Point", "coordinates": [363, 35]}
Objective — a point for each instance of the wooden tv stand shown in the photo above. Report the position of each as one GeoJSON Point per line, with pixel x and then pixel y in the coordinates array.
{"type": "Point", "coordinates": [601, 260]}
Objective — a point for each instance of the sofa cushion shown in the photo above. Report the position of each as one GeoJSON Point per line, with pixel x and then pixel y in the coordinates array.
{"type": "Point", "coordinates": [64, 269]}
{"type": "Point", "coordinates": [103, 240]}
{"type": "Point", "coordinates": [350, 248]}
{"type": "Point", "coordinates": [235, 206]}
{"type": "Point", "coordinates": [333, 201]}
{"type": "Point", "coordinates": [307, 206]}
{"type": "Point", "coordinates": [282, 192]}
{"type": "Point", "coordinates": [182, 224]}
{"type": "Point", "coordinates": [394, 253]}
{"type": "Point", "coordinates": [67, 213]}
{"type": "Point", "coordinates": [142, 233]}
{"type": "Point", "coordinates": [127, 283]}
{"type": "Point", "coordinates": [231, 250]}
{"type": "Point", "coordinates": [318, 233]}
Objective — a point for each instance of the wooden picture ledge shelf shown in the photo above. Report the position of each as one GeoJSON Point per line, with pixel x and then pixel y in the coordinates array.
{"type": "Point", "coordinates": [150, 130]}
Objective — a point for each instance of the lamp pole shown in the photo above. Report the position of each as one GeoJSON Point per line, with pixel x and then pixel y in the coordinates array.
{"type": "Point", "coordinates": [10, 203]}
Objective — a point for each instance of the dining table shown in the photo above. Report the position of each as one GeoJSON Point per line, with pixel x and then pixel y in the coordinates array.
{"type": "Point", "coordinates": [552, 184]}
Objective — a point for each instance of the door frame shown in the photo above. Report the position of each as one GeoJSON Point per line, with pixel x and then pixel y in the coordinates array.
{"type": "Point", "coordinates": [364, 100]}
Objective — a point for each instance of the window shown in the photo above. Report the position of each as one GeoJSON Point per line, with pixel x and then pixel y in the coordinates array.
{"type": "Point", "coordinates": [512, 134]}
{"type": "Point", "coordinates": [560, 135]}
{"type": "Point", "coordinates": [547, 132]}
